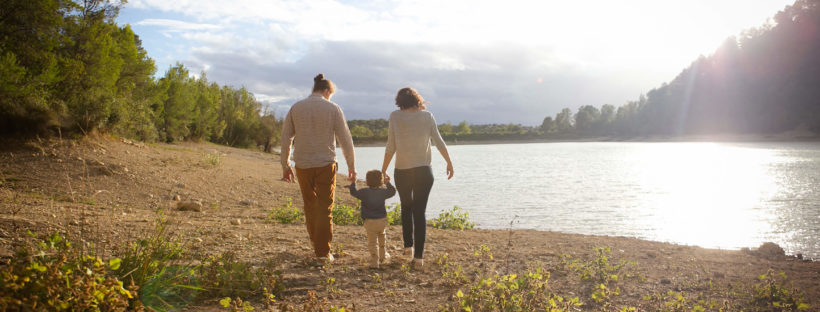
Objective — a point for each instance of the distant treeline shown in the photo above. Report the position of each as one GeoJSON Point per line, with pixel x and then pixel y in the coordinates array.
{"type": "Point", "coordinates": [765, 81]}
{"type": "Point", "coordinates": [67, 66]}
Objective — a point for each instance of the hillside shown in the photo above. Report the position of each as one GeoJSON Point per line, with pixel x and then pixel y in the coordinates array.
{"type": "Point", "coordinates": [105, 193]}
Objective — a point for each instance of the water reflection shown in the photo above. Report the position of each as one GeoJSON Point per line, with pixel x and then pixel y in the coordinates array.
{"type": "Point", "coordinates": [717, 195]}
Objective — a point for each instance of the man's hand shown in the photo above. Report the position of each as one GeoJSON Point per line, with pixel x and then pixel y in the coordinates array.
{"type": "Point", "coordinates": [287, 175]}
{"type": "Point", "coordinates": [351, 175]}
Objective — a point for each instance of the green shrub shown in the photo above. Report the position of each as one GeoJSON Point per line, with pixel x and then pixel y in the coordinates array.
{"type": "Point", "coordinates": [225, 276]}
{"type": "Point", "coordinates": [55, 276]}
{"type": "Point", "coordinates": [287, 214]}
{"type": "Point", "coordinates": [529, 292]}
{"type": "Point", "coordinates": [150, 264]}
{"type": "Point", "coordinates": [347, 215]}
{"type": "Point", "coordinates": [771, 294]}
{"type": "Point", "coordinates": [393, 215]}
{"type": "Point", "coordinates": [452, 219]}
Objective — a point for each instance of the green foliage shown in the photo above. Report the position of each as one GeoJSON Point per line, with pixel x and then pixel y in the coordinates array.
{"type": "Point", "coordinates": [602, 276]}
{"type": "Point", "coordinates": [346, 214]}
{"type": "Point", "coordinates": [287, 214]}
{"type": "Point", "coordinates": [56, 277]}
{"type": "Point", "coordinates": [149, 264]}
{"type": "Point", "coordinates": [225, 276]}
{"type": "Point", "coordinates": [510, 292]}
{"type": "Point", "coordinates": [453, 219]}
{"type": "Point", "coordinates": [393, 214]}
{"type": "Point", "coordinates": [771, 294]}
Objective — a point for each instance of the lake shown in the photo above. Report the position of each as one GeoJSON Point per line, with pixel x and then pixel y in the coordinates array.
{"type": "Point", "coordinates": [714, 195]}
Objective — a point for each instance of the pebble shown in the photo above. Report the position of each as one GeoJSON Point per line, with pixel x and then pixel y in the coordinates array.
{"type": "Point", "coordinates": [236, 222]}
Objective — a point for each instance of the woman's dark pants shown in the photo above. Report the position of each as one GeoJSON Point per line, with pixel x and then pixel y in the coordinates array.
{"type": "Point", "coordinates": [414, 186]}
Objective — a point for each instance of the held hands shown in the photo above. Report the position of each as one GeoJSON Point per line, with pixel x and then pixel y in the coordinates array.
{"type": "Point", "coordinates": [287, 175]}
{"type": "Point", "coordinates": [449, 171]}
{"type": "Point", "coordinates": [351, 175]}
{"type": "Point", "coordinates": [386, 178]}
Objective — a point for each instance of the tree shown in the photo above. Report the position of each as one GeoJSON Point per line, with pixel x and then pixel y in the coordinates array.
{"type": "Point", "coordinates": [178, 107]}
{"type": "Point", "coordinates": [563, 120]}
{"type": "Point", "coordinates": [586, 118]}
{"type": "Point", "coordinates": [360, 132]}
{"type": "Point", "coordinates": [445, 129]}
{"type": "Point", "coordinates": [463, 128]}
{"type": "Point", "coordinates": [548, 125]}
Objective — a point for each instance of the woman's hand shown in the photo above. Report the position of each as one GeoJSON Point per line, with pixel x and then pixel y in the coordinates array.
{"type": "Point", "coordinates": [449, 171]}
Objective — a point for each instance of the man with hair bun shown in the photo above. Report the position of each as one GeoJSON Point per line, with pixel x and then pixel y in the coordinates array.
{"type": "Point", "coordinates": [315, 124]}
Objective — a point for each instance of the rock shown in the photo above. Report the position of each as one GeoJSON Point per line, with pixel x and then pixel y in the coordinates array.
{"type": "Point", "coordinates": [248, 202]}
{"type": "Point", "coordinates": [236, 222]}
{"type": "Point", "coordinates": [666, 281]}
{"type": "Point", "coordinates": [189, 206]}
{"type": "Point", "coordinates": [719, 275]}
{"type": "Point", "coordinates": [770, 250]}
{"type": "Point", "coordinates": [180, 185]}
{"type": "Point", "coordinates": [177, 198]}
{"type": "Point", "coordinates": [73, 222]}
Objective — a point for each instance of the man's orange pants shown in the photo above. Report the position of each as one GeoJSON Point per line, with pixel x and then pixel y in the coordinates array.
{"type": "Point", "coordinates": [318, 187]}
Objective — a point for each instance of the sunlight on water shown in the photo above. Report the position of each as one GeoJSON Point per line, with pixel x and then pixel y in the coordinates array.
{"type": "Point", "coordinates": [707, 194]}
{"type": "Point", "coordinates": [715, 195]}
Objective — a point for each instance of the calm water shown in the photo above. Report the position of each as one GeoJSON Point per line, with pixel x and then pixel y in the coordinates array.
{"type": "Point", "coordinates": [716, 195]}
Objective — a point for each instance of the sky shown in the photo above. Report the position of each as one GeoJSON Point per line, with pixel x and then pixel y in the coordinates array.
{"type": "Point", "coordinates": [478, 61]}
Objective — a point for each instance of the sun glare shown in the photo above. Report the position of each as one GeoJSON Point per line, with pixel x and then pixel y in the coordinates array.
{"type": "Point", "coordinates": [711, 195]}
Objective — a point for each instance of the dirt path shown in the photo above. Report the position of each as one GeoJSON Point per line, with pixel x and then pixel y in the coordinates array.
{"type": "Point", "coordinates": [108, 192]}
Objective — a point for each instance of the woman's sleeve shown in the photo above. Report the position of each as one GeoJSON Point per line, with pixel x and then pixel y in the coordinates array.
{"type": "Point", "coordinates": [435, 135]}
{"type": "Point", "coordinates": [390, 149]}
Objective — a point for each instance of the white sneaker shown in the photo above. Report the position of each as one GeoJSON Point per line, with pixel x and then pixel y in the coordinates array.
{"type": "Point", "coordinates": [327, 259]}
{"type": "Point", "coordinates": [418, 264]}
{"type": "Point", "coordinates": [386, 258]}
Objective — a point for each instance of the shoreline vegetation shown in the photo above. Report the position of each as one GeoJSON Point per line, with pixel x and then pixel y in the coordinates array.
{"type": "Point", "coordinates": [118, 203]}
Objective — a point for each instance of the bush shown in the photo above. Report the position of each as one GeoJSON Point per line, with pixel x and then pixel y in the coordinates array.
{"type": "Point", "coordinates": [149, 264]}
{"type": "Point", "coordinates": [452, 219]}
{"type": "Point", "coordinates": [54, 276]}
{"type": "Point", "coordinates": [287, 214]}
{"type": "Point", "coordinates": [347, 215]}
{"type": "Point", "coordinates": [772, 295]}
{"type": "Point", "coordinates": [394, 215]}
{"type": "Point", "coordinates": [513, 293]}
{"type": "Point", "coordinates": [225, 276]}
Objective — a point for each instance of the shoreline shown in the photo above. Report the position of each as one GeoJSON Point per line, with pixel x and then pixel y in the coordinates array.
{"type": "Point", "coordinates": [652, 139]}
{"type": "Point", "coordinates": [118, 186]}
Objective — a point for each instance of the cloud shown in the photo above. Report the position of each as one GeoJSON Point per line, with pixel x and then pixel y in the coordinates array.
{"type": "Point", "coordinates": [176, 25]}
{"type": "Point", "coordinates": [488, 84]}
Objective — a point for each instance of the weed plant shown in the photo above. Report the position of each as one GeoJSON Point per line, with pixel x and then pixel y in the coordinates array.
{"type": "Point", "coordinates": [529, 292]}
{"type": "Point", "coordinates": [225, 276]}
{"type": "Point", "coordinates": [771, 294]}
{"type": "Point", "coordinates": [453, 219]}
{"type": "Point", "coordinates": [393, 214]}
{"type": "Point", "coordinates": [344, 214]}
{"type": "Point", "coordinates": [55, 276]}
{"type": "Point", "coordinates": [287, 214]}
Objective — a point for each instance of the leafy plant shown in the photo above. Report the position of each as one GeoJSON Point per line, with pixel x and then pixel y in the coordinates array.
{"type": "Point", "coordinates": [510, 292]}
{"type": "Point", "coordinates": [453, 219]}
{"type": "Point", "coordinates": [602, 275]}
{"type": "Point", "coordinates": [226, 276]}
{"type": "Point", "coordinates": [346, 215]}
{"type": "Point", "coordinates": [771, 294]}
{"type": "Point", "coordinates": [287, 214]}
{"type": "Point", "coordinates": [57, 277]}
{"type": "Point", "coordinates": [394, 214]}
{"type": "Point", "coordinates": [210, 160]}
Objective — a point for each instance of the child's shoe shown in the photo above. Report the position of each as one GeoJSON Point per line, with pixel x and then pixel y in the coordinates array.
{"type": "Point", "coordinates": [374, 263]}
{"type": "Point", "coordinates": [386, 258]}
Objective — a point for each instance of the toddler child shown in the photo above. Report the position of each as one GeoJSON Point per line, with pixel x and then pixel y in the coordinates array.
{"type": "Point", "coordinates": [374, 213]}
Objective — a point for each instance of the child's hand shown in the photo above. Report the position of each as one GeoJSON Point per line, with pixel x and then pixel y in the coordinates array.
{"type": "Point", "coordinates": [386, 179]}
